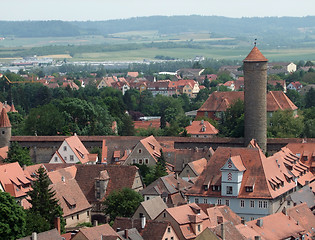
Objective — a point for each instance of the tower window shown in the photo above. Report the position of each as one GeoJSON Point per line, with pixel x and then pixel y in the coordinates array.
{"type": "Point", "coordinates": [3, 132]}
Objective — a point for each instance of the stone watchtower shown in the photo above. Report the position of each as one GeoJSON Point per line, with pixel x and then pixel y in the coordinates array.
{"type": "Point", "coordinates": [255, 98]}
{"type": "Point", "coordinates": [5, 129]}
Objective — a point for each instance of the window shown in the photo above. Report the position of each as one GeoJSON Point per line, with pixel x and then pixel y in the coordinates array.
{"type": "Point", "coordinates": [169, 229]}
{"type": "Point", "coordinates": [216, 188]}
{"type": "Point", "coordinates": [146, 161]}
{"type": "Point", "coordinates": [148, 198]}
{"type": "Point", "coordinates": [3, 132]}
{"type": "Point", "coordinates": [64, 148]}
{"type": "Point", "coordinates": [88, 213]}
{"type": "Point", "coordinates": [252, 203]}
{"type": "Point", "coordinates": [164, 215]}
{"type": "Point", "coordinates": [252, 218]}
{"type": "Point", "coordinates": [139, 151]}
{"type": "Point", "coordinates": [242, 203]}
{"type": "Point", "coordinates": [172, 238]}
{"type": "Point", "coordinates": [227, 202]}
{"type": "Point", "coordinates": [199, 228]}
{"type": "Point", "coordinates": [205, 200]}
{"type": "Point", "coordinates": [196, 200]}
{"type": "Point", "coordinates": [219, 201]}
{"type": "Point", "coordinates": [248, 189]}
{"type": "Point", "coordinates": [65, 158]}
{"type": "Point", "coordinates": [265, 204]}
{"type": "Point", "coordinates": [260, 204]}
{"type": "Point", "coordinates": [71, 158]}
{"type": "Point", "coordinates": [134, 161]}
{"type": "Point", "coordinates": [229, 190]}
{"type": "Point", "coordinates": [56, 159]}
{"type": "Point", "coordinates": [140, 161]}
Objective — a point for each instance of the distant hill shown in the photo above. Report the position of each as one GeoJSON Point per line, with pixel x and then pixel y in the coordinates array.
{"type": "Point", "coordinates": [218, 26]}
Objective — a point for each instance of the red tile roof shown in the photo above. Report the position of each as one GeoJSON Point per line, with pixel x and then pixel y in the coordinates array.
{"type": "Point", "coordinates": [78, 148]}
{"type": "Point", "coordinates": [220, 101]}
{"type": "Point", "coordinates": [152, 146]}
{"type": "Point", "coordinates": [70, 197]}
{"type": "Point", "coordinates": [154, 123]}
{"type": "Point", "coordinates": [255, 56]}
{"type": "Point", "coordinates": [4, 119]}
{"type": "Point", "coordinates": [104, 231]}
{"type": "Point", "coordinates": [198, 166]}
{"type": "Point", "coordinates": [201, 128]}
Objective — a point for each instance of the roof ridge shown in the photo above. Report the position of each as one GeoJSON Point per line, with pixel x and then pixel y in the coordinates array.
{"type": "Point", "coordinates": [271, 92]}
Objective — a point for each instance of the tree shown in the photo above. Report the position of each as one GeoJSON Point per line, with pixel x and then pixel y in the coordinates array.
{"type": "Point", "coordinates": [43, 201]}
{"type": "Point", "coordinates": [122, 203]}
{"type": "Point", "coordinates": [12, 218]}
{"type": "Point", "coordinates": [158, 171]}
{"type": "Point", "coordinates": [232, 121]}
{"type": "Point", "coordinates": [18, 154]}
{"type": "Point", "coordinates": [309, 122]}
{"type": "Point", "coordinates": [35, 223]}
{"type": "Point", "coordinates": [310, 98]}
{"type": "Point", "coordinates": [283, 124]}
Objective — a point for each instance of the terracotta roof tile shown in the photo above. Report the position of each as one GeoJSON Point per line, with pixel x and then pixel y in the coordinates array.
{"type": "Point", "coordinates": [48, 235]}
{"type": "Point", "coordinates": [4, 119]}
{"type": "Point", "coordinates": [198, 166]}
{"type": "Point", "coordinates": [96, 233]}
{"type": "Point", "coordinates": [70, 196]}
{"type": "Point", "coordinates": [201, 128]}
{"type": "Point", "coordinates": [255, 56]}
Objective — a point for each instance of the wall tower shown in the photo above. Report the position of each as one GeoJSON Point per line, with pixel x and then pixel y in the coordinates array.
{"type": "Point", "coordinates": [5, 129]}
{"type": "Point", "coordinates": [255, 98]}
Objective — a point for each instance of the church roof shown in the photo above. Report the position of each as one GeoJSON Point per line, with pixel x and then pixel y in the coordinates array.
{"type": "Point", "coordinates": [255, 56]}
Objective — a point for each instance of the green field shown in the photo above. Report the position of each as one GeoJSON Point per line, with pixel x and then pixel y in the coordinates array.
{"type": "Point", "coordinates": [201, 45]}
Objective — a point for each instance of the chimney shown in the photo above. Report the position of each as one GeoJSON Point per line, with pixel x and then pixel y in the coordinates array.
{"type": "Point", "coordinates": [178, 186]}
{"type": "Point", "coordinates": [143, 220]}
{"type": "Point", "coordinates": [126, 233]}
{"type": "Point", "coordinates": [259, 222]}
{"type": "Point", "coordinates": [34, 236]}
{"type": "Point", "coordinates": [95, 223]}
{"type": "Point", "coordinates": [57, 224]}
{"type": "Point", "coordinates": [219, 219]}
{"type": "Point", "coordinates": [257, 238]}
{"type": "Point", "coordinates": [222, 231]}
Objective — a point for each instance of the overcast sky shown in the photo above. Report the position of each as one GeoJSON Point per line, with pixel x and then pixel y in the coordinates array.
{"type": "Point", "coordinates": [70, 10]}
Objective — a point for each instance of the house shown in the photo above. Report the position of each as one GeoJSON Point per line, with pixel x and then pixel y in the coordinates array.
{"type": "Point", "coordinates": [132, 74]}
{"type": "Point", "coordinates": [150, 209]}
{"type": "Point", "coordinates": [76, 208]}
{"type": "Point", "coordinates": [105, 82]}
{"type": "Point", "coordinates": [148, 229]}
{"type": "Point", "coordinates": [304, 195]}
{"type": "Point", "coordinates": [219, 102]}
{"type": "Point", "coordinates": [202, 129]}
{"type": "Point", "coordinates": [130, 234]}
{"type": "Point", "coordinates": [230, 85]}
{"type": "Point", "coordinates": [281, 67]}
{"type": "Point", "coordinates": [189, 73]}
{"type": "Point", "coordinates": [123, 86]}
{"type": "Point", "coordinates": [189, 87]}
{"type": "Point", "coordinates": [187, 220]}
{"type": "Point", "coordinates": [170, 188]}
{"type": "Point", "coordinates": [147, 151]}
{"type": "Point", "coordinates": [72, 151]}
{"type": "Point", "coordinates": [16, 182]}
{"type": "Point", "coordinates": [159, 87]}
{"type": "Point", "coordinates": [52, 234]}
{"type": "Point", "coordinates": [145, 124]}
{"type": "Point", "coordinates": [280, 83]}
{"type": "Point", "coordinates": [296, 86]}
{"type": "Point", "coordinates": [98, 181]}
{"type": "Point", "coordinates": [305, 152]}
{"type": "Point", "coordinates": [101, 232]}
{"type": "Point", "coordinates": [193, 169]}
{"type": "Point", "coordinates": [250, 184]}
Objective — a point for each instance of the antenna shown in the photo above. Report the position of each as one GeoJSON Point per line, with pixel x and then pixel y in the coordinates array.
{"type": "Point", "coordinates": [255, 43]}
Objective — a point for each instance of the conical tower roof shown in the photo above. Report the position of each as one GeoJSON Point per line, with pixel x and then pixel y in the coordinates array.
{"type": "Point", "coordinates": [255, 56]}
{"type": "Point", "coordinates": [13, 108]}
{"type": "Point", "coordinates": [4, 119]}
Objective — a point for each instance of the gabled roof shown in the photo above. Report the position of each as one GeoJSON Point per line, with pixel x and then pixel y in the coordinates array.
{"type": "Point", "coordinates": [152, 146]}
{"type": "Point", "coordinates": [13, 179]}
{"type": "Point", "coordinates": [78, 148]}
{"type": "Point", "coordinates": [255, 56]}
{"type": "Point", "coordinates": [220, 101]}
{"type": "Point", "coordinates": [70, 196]}
{"type": "Point", "coordinates": [66, 173]}
{"type": "Point", "coordinates": [224, 212]}
{"type": "Point", "coordinates": [153, 206]}
{"type": "Point", "coordinates": [277, 226]}
{"type": "Point", "coordinates": [198, 166]}
{"type": "Point", "coordinates": [96, 233]}
{"type": "Point", "coordinates": [52, 234]}
{"type": "Point", "coordinates": [201, 128]}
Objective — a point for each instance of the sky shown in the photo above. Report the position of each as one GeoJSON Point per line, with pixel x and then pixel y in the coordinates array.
{"type": "Point", "coordinates": [84, 10]}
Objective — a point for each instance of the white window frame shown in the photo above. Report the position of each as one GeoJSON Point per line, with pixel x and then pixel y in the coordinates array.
{"type": "Point", "coordinates": [252, 204]}
{"type": "Point", "coordinates": [242, 203]}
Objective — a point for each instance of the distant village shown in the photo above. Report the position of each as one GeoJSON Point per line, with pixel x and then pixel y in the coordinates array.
{"type": "Point", "coordinates": [195, 186]}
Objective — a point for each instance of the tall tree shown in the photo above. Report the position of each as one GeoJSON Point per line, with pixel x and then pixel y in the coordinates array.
{"type": "Point", "coordinates": [122, 203]}
{"type": "Point", "coordinates": [18, 154]}
{"type": "Point", "coordinates": [43, 200]}
{"type": "Point", "coordinates": [12, 218]}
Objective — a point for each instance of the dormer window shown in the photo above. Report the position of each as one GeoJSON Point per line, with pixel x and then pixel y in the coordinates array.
{"type": "Point", "coordinates": [216, 188]}
{"type": "Point", "coordinates": [205, 187]}
{"type": "Point", "coordinates": [249, 189]}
